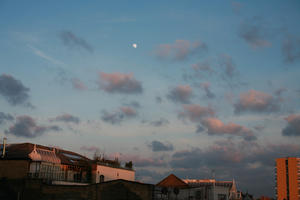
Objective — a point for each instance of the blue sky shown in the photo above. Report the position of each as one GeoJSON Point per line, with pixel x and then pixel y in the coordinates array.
{"type": "Point", "coordinates": [211, 86]}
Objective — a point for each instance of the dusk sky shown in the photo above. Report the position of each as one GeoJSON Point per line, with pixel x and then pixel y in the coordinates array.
{"type": "Point", "coordinates": [200, 89]}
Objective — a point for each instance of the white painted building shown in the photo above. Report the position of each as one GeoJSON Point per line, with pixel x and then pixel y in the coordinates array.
{"type": "Point", "coordinates": [102, 172]}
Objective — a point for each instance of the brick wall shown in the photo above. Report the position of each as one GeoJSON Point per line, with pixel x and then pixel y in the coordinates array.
{"type": "Point", "coordinates": [14, 169]}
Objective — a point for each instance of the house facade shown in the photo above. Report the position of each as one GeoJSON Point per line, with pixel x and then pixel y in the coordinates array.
{"type": "Point", "coordinates": [173, 187]}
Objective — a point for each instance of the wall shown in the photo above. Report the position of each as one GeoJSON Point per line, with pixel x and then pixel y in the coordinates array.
{"type": "Point", "coordinates": [35, 189]}
{"type": "Point", "coordinates": [111, 173]}
{"type": "Point", "coordinates": [20, 168]}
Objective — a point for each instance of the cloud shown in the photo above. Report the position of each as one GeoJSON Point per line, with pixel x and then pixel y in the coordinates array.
{"type": "Point", "coordinates": [180, 50]}
{"type": "Point", "coordinates": [291, 49]}
{"type": "Point", "coordinates": [206, 87]}
{"type": "Point", "coordinates": [128, 111]}
{"type": "Point", "coordinates": [159, 146]}
{"type": "Point", "coordinates": [160, 122]}
{"type": "Point", "coordinates": [66, 118]}
{"type": "Point", "coordinates": [180, 94]}
{"type": "Point", "coordinates": [26, 127]}
{"type": "Point", "coordinates": [116, 117]}
{"type": "Point", "coordinates": [217, 127]}
{"type": "Point", "coordinates": [254, 32]}
{"type": "Point", "coordinates": [279, 91]}
{"type": "Point", "coordinates": [71, 40]}
{"type": "Point", "coordinates": [43, 55]}
{"type": "Point", "coordinates": [250, 164]}
{"type": "Point", "coordinates": [256, 101]}
{"type": "Point", "coordinates": [14, 92]}
{"type": "Point", "coordinates": [119, 83]}
{"type": "Point", "coordinates": [236, 6]}
{"type": "Point", "coordinates": [158, 99]}
{"type": "Point", "coordinates": [90, 149]}
{"type": "Point", "coordinates": [5, 117]}
{"type": "Point", "coordinates": [199, 129]}
{"type": "Point", "coordinates": [202, 67]}
{"type": "Point", "coordinates": [78, 84]}
{"type": "Point", "coordinates": [226, 62]}
{"type": "Point", "coordinates": [133, 104]}
{"type": "Point", "coordinates": [195, 112]}
{"type": "Point", "coordinates": [293, 126]}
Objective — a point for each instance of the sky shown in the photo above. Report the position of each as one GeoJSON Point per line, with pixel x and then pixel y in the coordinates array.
{"type": "Point", "coordinates": [201, 89]}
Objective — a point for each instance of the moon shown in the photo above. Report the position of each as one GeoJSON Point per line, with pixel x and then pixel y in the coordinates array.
{"type": "Point", "coordinates": [134, 45]}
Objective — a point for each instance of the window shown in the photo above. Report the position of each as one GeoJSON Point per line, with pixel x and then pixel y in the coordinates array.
{"type": "Point", "coordinates": [101, 178]}
{"type": "Point", "coordinates": [198, 195]}
{"type": "Point", "coordinates": [221, 196]}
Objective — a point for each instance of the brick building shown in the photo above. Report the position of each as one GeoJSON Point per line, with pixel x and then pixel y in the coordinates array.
{"type": "Point", "coordinates": [287, 178]}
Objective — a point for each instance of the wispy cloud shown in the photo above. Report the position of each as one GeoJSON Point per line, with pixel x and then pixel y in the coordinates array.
{"type": "Point", "coordinates": [46, 57]}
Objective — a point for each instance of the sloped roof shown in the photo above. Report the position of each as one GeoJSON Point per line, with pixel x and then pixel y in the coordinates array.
{"type": "Point", "coordinates": [172, 181]}
{"type": "Point", "coordinates": [22, 152]}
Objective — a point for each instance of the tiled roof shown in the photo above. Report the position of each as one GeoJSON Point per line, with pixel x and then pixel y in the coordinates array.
{"type": "Point", "coordinates": [172, 181]}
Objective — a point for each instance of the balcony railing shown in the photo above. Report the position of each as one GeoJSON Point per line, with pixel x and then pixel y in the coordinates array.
{"type": "Point", "coordinates": [59, 176]}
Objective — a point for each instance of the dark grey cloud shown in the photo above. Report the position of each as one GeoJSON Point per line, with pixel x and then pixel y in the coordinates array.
{"type": "Point", "coordinates": [159, 146]}
{"type": "Point", "coordinates": [256, 101]}
{"type": "Point", "coordinates": [180, 50]}
{"type": "Point", "coordinates": [116, 117]}
{"type": "Point", "coordinates": [228, 66]}
{"type": "Point", "coordinates": [293, 126]}
{"type": "Point", "coordinates": [119, 83]}
{"type": "Point", "coordinates": [250, 164]}
{"type": "Point", "coordinates": [158, 99]}
{"type": "Point", "coordinates": [280, 91]}
{"type": "Point", "coordinates": [208, 93]}
{"type": "Point", "coordinates": [159, 122]}
{"type": "Point", "coordinates": [66, 118]}
{"type": "Point", "coordinates": [180, 94]}
{"type": "Point", "coordinates": [5, 117]}
{"type": "Point", "coordinates": [26, 127]}
{"type": "Point", "coordinates": [200, 129]}
{"type": "Point", "coordinates": [71, 40]}
{"type": "Point", "coordinates": [133, 104]}
{"type": "Point", "coordinates": [254, 32]}
{"type": "Point", "coordinates": [291, 49]}
{"type": "Point", "coordinates": [112, 117]}
{"type": "Point", "coordinates": [13, 91]}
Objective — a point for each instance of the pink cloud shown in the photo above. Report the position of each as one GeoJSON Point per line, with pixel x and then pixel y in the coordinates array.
{"type": "Point", "coordinates": [293, 126]}
{"type": "Point", "coordinates": [181, 93]}
{"type": "Point", "coordinates": [119, 83]}
{"type": "Point", "coordinates": [256, 101]}
{"type": "Point", "coordinates": [128, 111]}
{"type": "Point", "coordinates": [180, 50]}
{"type": "Point", "coordinates": [217, 127]}
{"type": "Point", "coordinates": [195, 112]}
{"type": "Point", "coordinates": [78, 84]}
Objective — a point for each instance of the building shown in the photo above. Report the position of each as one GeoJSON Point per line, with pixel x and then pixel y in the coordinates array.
{"type": "Point", "coordinates": [58, 166]}
{"type": "Point", "coordinates": [287, 178]}
{"type": "Point", "coordinates": [195, 189]}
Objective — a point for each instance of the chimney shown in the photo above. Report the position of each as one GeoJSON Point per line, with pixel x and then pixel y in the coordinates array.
{"type": "Point", "coordinates": [4, 144]}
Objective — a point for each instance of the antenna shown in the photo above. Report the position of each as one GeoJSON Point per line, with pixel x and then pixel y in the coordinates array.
{"type": "Point", "coordinates": [4, 144]}
{"type": "Point", "coordinates": [213, 174]}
